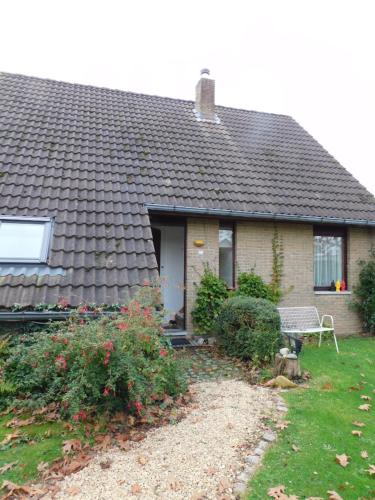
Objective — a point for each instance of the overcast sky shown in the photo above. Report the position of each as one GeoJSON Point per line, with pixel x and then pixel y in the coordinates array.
{"type": "Point", "coordinates": [310, 59]}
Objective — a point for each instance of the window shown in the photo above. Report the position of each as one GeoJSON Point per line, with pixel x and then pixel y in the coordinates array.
{"type": "Point", "coordinates": [24, 239]}
{"type": "Point", "coordinates": [226, 253]}
{"type": "Point", "coordinates": [329, 257]}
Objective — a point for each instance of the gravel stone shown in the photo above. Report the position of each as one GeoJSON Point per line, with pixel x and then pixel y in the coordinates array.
{"type": "Point", "coordinates": [200, 456]}
{"type": "Point", "coordinates": [252, 459]}
{"type": "Point", "coordinates": [239, 488]}
{"type": "Point", "coordinates": [269, 436]}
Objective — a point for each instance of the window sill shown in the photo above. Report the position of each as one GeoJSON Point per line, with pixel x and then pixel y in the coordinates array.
{"type": "Point", "coordinates": [327, 292]}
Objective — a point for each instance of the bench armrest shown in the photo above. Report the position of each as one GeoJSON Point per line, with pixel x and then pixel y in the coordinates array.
{"type": "Point", "coordinates": [331, 319]}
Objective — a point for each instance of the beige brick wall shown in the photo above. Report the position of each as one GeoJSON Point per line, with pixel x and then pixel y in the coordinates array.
{"type": "Point", "coordinates": [254, 251]}
{"type": "Point", "coordinates": [208, 231]}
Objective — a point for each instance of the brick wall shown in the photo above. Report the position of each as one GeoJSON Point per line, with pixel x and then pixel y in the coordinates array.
{"type": "Point", "coordinates": [208, 231]}
{"type": "Point", "coordinates": [254, 251]}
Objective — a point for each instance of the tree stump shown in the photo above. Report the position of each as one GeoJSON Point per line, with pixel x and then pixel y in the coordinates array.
{"type": "Point", "coordinates": [290, 368]}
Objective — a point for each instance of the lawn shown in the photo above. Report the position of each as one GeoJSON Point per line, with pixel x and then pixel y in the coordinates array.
{"type": "Point", "coordinates": [321, 426]}
{"type": "Point", "coordinates": [36, 444]}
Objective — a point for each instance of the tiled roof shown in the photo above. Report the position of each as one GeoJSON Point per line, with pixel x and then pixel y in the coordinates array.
{"type": "Point", "coordinates": [92, 157]}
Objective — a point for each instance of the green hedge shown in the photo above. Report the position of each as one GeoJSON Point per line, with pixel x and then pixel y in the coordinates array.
{"type": "Point", "coordinates": [249, 328]}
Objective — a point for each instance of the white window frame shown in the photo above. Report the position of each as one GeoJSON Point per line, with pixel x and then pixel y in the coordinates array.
{"type": "Point", "coordinates": [48, 222]}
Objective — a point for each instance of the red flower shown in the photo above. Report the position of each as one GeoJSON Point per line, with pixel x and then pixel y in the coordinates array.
{"type": "Point", "coordinates": [66, 341]}
{"type": "Point", "coordinates": [108, 346]}
{"type": "Point", "coordinates": [83, 309]}
{"type": "Point", "coordinates": [106, 391]}
{"type": "Point", "coordinates": [82, 414]}
{"type": "Point", "coordinates": [60, 361]}
{"type": "Point", "coordinates": [124, 309]}
{"type": "Point", "coordinates": [46, 354]}
{"type": "Point", "coordinates": [146, 282]}
{"type": "Point", "coordinates": [138, 406]}
{"type": "Point", "coordinates": [163, 352]}
{"type": "Point", "coordinates": [81, 321]}
{"type": "Point", "coordinates": [107, 356]}
{"type": "Point", "coordinates": [122, 326]}
{"type": "Point", "coordinates": [76, 417]}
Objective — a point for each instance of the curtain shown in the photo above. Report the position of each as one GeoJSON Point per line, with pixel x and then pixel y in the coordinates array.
{"type": "Point", "coordinates": [328, 254]}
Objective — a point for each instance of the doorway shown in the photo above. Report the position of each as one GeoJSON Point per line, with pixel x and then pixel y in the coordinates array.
{"type": "Point", "coordinates": [169, 244]}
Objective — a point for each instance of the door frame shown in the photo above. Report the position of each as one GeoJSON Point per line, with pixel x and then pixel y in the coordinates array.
{"type": "Point", "coordinates": [171, 220]}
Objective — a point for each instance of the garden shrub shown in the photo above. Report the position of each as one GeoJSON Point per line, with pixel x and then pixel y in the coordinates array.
{"type": "Point", "coordinates": [90, 366]}
{"type": "Point", "coordinates": [252, 285]}
{"type": "Point", "coordinates": [249, 328]}
{"type": "Point", "coordinates": [211, 293]}
{"type": "Point", "coordinates": [364, 292]}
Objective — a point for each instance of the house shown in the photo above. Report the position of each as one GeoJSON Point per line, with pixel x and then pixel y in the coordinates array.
{"type": "Point", "coordinates": [102, 189]}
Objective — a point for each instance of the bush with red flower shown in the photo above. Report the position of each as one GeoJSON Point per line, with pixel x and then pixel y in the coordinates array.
{"type": "Point", "coordinates": [103, 364]}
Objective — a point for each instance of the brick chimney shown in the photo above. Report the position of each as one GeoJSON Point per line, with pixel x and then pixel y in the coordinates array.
{"type": "Point", "coordinates": [205, 98]}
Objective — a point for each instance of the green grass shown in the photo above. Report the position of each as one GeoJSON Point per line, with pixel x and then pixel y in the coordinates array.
{"type": "Point", "coordinates": [38, 443]}
{"type": "Point", "coordinates": [321, 423]}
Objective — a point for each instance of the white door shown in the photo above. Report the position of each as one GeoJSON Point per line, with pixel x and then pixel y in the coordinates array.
{"type": "Point", "coordinates": [172, 261]}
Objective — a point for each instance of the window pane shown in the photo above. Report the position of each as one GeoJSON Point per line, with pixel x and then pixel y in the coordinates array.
{"type": "Point", "coordinates": [328, 259]}
{"type": "Point", "coordinates": [20, 240]}
{"type": "Point", "coordinates": [226, 256]}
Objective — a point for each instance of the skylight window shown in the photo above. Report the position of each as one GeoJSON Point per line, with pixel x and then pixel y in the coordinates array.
{"type": "Point", "coordinates": [24, 239]}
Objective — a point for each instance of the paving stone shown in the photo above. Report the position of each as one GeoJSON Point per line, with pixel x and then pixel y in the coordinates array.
{"type": "Point", "coordinates": [269, 436]}
{"type": "Point", "coordinates": [252, 459]}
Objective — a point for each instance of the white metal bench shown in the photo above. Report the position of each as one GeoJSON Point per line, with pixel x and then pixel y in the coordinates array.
{"type": "Point", "coordinates": [299, 321]}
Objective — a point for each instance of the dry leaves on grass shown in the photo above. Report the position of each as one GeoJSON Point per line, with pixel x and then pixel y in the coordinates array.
{"type": "Point", "coordinates": [365, 398]}
{"type": "Point", "coordinates": [10, 437]}
{"type": "Point", "coordinates": [7, 467]}
{"type": "Point", "coordinates": [371, 470]}
{"type": "Point", "coordinates": [334, 496]}
{"type": "Point", "coordinates": [364, 454]}
{"type": "Point", "coordinates": [282, 425]}
{"type": "Point", "coordinates": [358, 424]}
{"type": "Point", "coordinates": [15, 422]}
{"type": "Point", "coordinates": [278, 492]}
{"type": "Point", "coordinates": [295, 448]}
{"type": "Point", "coordinates": [16, 490]}
{"type": "Point", "coordinates": [72, 445]}
{"type": "Point", "coordinates": [342, 460]}
{"type": "Point", "coordinates": [357, 433]}
{"type": "Point", "coordinates": [365, 407]}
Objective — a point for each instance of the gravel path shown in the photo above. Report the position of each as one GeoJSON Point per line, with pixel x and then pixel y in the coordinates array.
{"type": "Point", "coordinates": [195, 459]}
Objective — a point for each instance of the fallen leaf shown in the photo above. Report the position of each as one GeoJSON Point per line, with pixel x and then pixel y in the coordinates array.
{"type": "Point", "coordinates": [327, 386]}
{"type": "Point", "coordinates": [42, 466]}
{"type": "Point", "coordinates": [15, 422]}
{"type": "Point", "coordinates": [103, 441]}
{"type": "Point", "coordinates": [357, 433]}
{"type": "Point", "coordinates": [224, 485]}
{"type": "Point", "coordinates": [198, 496]}
{"type": "Point", "coordinates": [276, 492]}
{"type": "Point", "coordinates": [10, 437]}
{"type": "Point", "coordinates": [334, 496]}
{"type": "Point", "coordinates": [282, 425]}
{"type": "Point", "coordinates": [342, 460]}
{"type": "Point", "coordinates": [365, 407]}
{"type": "Point", "coordinates": [123, 441]}
{"type": "Point", "coordinates": [68, 426]}
{"type": "Point", "coordinates": [365, 398]}
{"type": "Point", "coordinates": [142, 460]}
{"type": "Point", "coordinates": [211, 471]}
{"type": "Point", "coordinates": [72, 445]}
{"type": "Point", "coordinates": [106, 464]}
{"type": "Point", "coordinates": [371, 470]}
{"type": "Point", "coordinates": [74, 490]}
{"type": "Point", "coordinates": [136, 489]}
{"type": "Point", "coordinates": [358, 424]}
{"type": "Point", "coordinates": [15, 490]}
{"type": "Point", "coordinates": [295, 448]}
{"type": "Point", "coordinates": [7, 467]}
{"type": "Point", "coordinates": [364, 454]}
{"type": "Point", "coordinates": [314, 498]}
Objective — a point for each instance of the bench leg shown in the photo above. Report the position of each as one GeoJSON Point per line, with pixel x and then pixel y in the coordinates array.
{"type": "Point", "coordinates": [320, 339]}
{"type": "Point", "coordinates": [298, 345]}
{"type": "Point", "coordinates": [334, 337]}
